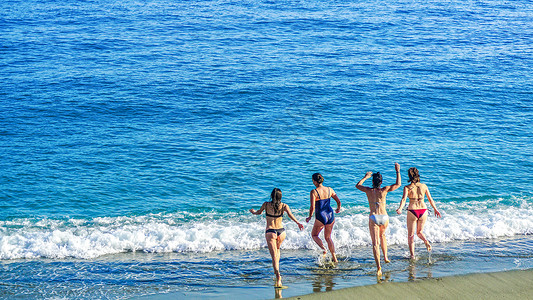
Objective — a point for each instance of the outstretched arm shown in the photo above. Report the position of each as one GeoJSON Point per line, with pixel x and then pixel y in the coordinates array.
{"type": "Point", "coordinates": [398, 178]}
{"type": "Point", "coordinates": [360, 186]}
{"type": "Point", "coordinates": [289, 213]}
{"type": "Point", "coordinates": [402, 202]}
{"type": "Point", "coordinates": [260, 211]}
{"type": "Point", "coordinates": [311, 206]}
{"type": "Point", "coordinates": [437, 213]}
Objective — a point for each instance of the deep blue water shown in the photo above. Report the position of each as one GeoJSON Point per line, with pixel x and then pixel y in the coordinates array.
{"type": "Point", "coordinates": [154, 126]}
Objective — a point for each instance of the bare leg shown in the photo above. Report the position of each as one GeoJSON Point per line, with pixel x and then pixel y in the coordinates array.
{"type": "Point", "coordinates": [317, 228]}
{"type": "Point", "coordinates": [411, 223]}
{"type": "Point", "coordinates": [329, 240]}
{"type": "Point", "coordinates": [419, 227]}
{"type": "Point", "coordinates": [272, 241]}
{"type": "Point", "coordinates": [374, 235]}
{"type": "Point", "coordinates": [280, 240]}
{"type": "Point", "coordinates": [383, 241]}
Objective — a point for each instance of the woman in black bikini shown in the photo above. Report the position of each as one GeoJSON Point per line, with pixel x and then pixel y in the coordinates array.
{"type": "Point", "coordinates": [417, 210]}
{"type": "Point", "coordinates": [275, 233]}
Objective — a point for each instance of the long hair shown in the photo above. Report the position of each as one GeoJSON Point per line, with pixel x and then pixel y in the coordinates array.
{"type": "Point", "coordinates": [318, 177]}
{"type": "Point", "coordinates": [275, 197]}
{"type": "Point", "coordinates": [377, 179]}
{"type": "Point", "coordinates": [414, 176]}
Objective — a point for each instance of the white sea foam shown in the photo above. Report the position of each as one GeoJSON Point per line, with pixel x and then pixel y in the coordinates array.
{"type": "Point", "coordinates": [78, 238]}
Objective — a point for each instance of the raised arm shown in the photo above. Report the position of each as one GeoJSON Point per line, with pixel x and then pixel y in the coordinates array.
{"type": "Point", "coordinates": [336, 198]}
{"type": "Point", "coordinates": [360, 186]}
{"type": "Point", "coordinates": [430, 199]}
{"type": "Point", "coordinates": [398, 179]}
{"type": "Point", "coordinates": [402, 202]}
{"type": "Point", "coordinates": [260, 211]}
{"type": "Point", "coordinates": [311, 206]}
{"type": "Point", "coordinates": [289, 213]}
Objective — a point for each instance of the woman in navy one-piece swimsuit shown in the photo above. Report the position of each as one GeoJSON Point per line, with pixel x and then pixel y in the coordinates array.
{"type": "Point", "coordinates": [324, 217]}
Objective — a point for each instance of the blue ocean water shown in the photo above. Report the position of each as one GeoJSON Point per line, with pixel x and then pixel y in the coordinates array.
{"type": "Point", "coordinates": [135, 135]}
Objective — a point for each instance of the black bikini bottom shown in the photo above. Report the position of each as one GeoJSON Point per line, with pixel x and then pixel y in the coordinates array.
{"type": "Point", "coordinates": [278, 232]}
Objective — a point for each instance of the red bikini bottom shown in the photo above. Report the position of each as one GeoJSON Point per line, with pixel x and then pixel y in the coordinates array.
{"type": "Point", "coordinates": [418, 212]}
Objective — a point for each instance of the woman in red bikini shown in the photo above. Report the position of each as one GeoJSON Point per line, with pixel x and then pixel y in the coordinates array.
{"type": "Point", "coordinates": [417, 210]}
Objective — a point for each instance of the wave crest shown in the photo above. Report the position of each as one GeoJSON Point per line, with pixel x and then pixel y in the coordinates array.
{"type": "Point", "coordinates": [207, 232]}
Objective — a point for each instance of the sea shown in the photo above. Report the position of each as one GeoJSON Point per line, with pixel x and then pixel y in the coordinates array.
{"type": "Point", "coordinates": [135, 135]}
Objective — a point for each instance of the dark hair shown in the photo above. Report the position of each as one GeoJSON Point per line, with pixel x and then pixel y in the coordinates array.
{"type": "Point", "coordinates": [275, 197]}
{"type": "Point", "coordinates": [318, 178]}
{"type": "Point", "coordinates": [413, 175]}
{"type": "Point", "coordinates": [377, 179]}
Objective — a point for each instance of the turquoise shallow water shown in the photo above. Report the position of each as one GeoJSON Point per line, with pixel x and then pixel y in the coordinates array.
{"type": "Point", "coordinates": [132, 127]}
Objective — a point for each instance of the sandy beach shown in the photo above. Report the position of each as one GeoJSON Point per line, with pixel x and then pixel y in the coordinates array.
{"type": "Point", "coordinates": [499, 285]}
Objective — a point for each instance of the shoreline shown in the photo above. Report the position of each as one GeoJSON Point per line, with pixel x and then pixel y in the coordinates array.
{"type": "Point", "coordinates": [428, 276]}
{"type": "Point", "coordinates": [494, 285]}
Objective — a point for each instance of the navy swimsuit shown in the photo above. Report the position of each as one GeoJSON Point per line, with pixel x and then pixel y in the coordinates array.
{"type": "Point", "coordinates": [323, 211]}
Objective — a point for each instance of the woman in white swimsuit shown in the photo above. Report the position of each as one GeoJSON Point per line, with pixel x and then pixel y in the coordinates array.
{"type": "Point", "coordinates": [275, 233]}
{"type": "Point", "coordinates": [378, 219]}
{"type": "Point", "coordinates": [417, 210]}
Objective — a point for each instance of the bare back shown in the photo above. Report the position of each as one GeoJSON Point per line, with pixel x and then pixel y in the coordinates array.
{"type": "Point", "coordinates": [377, 200]}
{"type": "Point", "coordinates": [274, 220]}
{"type": "Point", "coordinates": [415, 193]}
{"type": "Point", "coordinates": [324, 192]}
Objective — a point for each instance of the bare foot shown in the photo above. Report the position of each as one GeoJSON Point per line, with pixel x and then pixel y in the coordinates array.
{"type": "Point", "coordinates": [334, 258]}
{"type": "Point", "coordinates": [387, 260]}
{"type": "Point", "coordinates": [428, 245]}
{"type": "Point", "coordinates": [278, 283]}
{"type": "Point", "coordinates": [378, 273]}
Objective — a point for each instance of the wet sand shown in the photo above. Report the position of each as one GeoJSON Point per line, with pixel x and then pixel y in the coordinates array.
{"type": "Point", "coordinates": [500, 285]}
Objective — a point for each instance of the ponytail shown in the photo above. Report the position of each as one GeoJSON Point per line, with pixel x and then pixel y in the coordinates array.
{"type": "Point", "coordinates": [275, 197]}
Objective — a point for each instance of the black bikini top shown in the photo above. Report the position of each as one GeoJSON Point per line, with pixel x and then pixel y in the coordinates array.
{"type": "Point", "coordinates": [275, 216]}
{"type": "Point", "coordinates": [272, 216]}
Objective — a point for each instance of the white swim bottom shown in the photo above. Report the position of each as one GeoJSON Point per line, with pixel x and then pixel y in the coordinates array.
{"type": "Point", "coordinates": [380, 219]}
